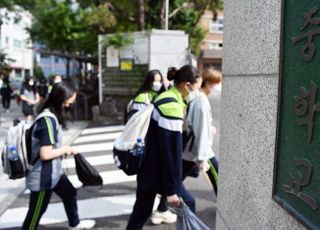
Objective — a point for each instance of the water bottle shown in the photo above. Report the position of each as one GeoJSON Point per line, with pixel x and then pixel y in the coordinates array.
{"type": "Point", "coordinates": [15, 165]}
{"type": "Point", "coordinates": [138, 149]}
{"type": "Point", "coordinates": [13, 156]}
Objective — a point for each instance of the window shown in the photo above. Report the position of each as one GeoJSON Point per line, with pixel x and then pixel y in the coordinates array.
{"type": "Point", "coordinates": [17, 44]}
{"type": "Point", "coordinates": [26, 73]}
{"type": "Point", "coordinates": [214, 45]}
{"type": "Point", "coordinates": [16, 20]}
{"type": "Point", "coordinates": [18, 73]}
{"type": "Point", "coordinates": [44, 56]}
{"type": "Point", "coordinates": [216, 26]}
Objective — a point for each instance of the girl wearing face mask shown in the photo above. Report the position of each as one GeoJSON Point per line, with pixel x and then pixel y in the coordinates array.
{"type": "Point", "coordinates": [46, 174]}
{"type": "Point", "coordinates": [162, 166]}
{"type": "Point", "coordinates": [200, 130]}
{"type": "Point", "coordinates": [29, 97]}
{"type": "Point", "coordinates": [151, 87]}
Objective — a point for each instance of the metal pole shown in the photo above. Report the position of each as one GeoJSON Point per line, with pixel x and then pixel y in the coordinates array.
{"type": "Point", "coordinates": [167, 15]}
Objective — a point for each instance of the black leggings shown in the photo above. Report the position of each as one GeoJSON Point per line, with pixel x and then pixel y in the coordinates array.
{"type": "Point", "coordinates": [6, 102]}
{"type": "Point", "coordinates": [39, 202]}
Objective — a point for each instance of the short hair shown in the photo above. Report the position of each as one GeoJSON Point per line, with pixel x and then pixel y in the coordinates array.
{"type": "Point", "coordinates": [210, 76]}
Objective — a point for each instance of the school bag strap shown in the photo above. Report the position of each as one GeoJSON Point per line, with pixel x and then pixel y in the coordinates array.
{"type": "Point", "coordinates": [46, 113]}
{"type": "Point", "coordinates": [28, 150]}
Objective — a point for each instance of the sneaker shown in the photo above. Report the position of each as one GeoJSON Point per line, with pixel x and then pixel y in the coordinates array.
{"type": "Point", "coordinates": [84, 224]}
{"type": "Point", "coordinates": [163, 217]}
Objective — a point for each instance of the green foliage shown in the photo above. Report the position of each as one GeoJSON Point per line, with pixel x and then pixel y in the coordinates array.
{"type": "Point", "coordinates": [75, 30]}
{"type": "Point", "coordinates": [100, 17]}
{"type": "Point", "coordinates": [4, 66]}
{"type": "Point", "coordinates": [38, 72]}
{"type": "Point", "coordinates": [117, 40]}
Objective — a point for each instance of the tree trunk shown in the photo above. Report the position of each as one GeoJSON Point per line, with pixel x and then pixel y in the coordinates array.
{"type": "Point", "coordinates": [141, 15]}
{"type": "Point", "coordinates": [163, 14]}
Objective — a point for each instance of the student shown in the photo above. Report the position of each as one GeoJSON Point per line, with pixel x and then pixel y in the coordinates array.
{"type": "Point", "coordinates": [46, 174]}
{"type": "Point", "coordinates": [200, 129]}
{"type": "Point", "coordinates": [151, 87]}
{"type": "Point", "coordinates": [162, 165]}
{"type": "Point", "coordinates": [6, 91]}
{"type": "Point", "coordinates": [29, 97]}
{"type": "Point", "coordinates": [43, 89]}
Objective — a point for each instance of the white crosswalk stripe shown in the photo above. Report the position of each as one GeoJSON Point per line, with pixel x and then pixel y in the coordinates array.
{"type": "Point", "coordinates": [95, 160]}
{"type": "Point", "coordinates": [97, 137]}
{"type": "Point", "coordinates": [89, 148]}
{"type": "Point", "coordinates": [88, 208]}
{"type": "Point", "coordinates": [102, 130]}
{"type": "Point", "coordinates": [96, 145]}
{"type": "Point", "coordinates": [109, 177]}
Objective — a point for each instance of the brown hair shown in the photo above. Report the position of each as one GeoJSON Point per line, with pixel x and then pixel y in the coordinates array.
{"type": "Point", "coordinates": [210, 76]}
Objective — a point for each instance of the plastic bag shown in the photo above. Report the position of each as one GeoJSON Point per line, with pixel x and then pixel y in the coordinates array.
{"type": "Point", "coordinates": [187, 220]}
{"type": "Point", "coordinates": [87, 174]}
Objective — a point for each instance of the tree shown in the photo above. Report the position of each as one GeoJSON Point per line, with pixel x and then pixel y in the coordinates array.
{"type": "Point", "coordinates": [4, 63]}
{"type": "Point", "coordinates": [141, 20]}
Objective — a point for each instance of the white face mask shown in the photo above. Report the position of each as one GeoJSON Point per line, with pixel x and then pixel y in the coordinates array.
{"type": "Point", "coordinates": [31, 83]}
{"type": "Point", "coordinates": [57, 80]}
{"type": "Point", "coordinates": [156, 86]}
{"type": "Point", "coordinates": [192, 95]}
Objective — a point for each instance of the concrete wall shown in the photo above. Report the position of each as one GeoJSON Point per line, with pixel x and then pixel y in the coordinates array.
{"type": "Point", "coordinates": [248, 117]}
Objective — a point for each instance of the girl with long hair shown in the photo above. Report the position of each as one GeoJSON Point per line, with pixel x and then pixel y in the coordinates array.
{"type": "Point", "coordinates": [46, 175]}
{"type": "Point", "coordinates": [148, 91]}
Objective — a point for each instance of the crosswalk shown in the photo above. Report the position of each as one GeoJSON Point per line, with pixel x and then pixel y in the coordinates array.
{"type": "Point", "coordinates": [96, 145]}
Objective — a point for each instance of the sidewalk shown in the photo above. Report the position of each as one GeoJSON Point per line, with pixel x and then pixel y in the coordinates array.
{"type": "Point", "coordinates": [10, 189]}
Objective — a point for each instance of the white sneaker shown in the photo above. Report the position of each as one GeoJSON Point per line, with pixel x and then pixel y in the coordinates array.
{"type": "Point", "coordinates": [163, 217]}
{"type": "Point", "coordinates": [84, 224]}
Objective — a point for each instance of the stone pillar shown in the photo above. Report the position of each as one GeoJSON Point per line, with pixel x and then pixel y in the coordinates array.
{"type": "Point", "coordinates": [249, 117]}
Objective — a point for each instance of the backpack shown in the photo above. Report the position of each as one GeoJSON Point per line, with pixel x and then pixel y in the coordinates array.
{"type": "Point", "coordinates": [19, 137]}
{"type": "Point", "coordinates": [129, 108]}
{"type": "Point", "coordinates": [136, 127]}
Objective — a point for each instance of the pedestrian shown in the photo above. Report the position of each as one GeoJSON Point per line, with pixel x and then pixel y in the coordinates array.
{"type": "Point", "coordinates": [162, 166]}
{"type": "Point", "coordinates": [46, 174]}
{"type": "Point", "coordinates": [152, 86]}
{"type": "Point", "coordinates": [29, 97]}
{"type": "Point", "coordinates": [200, 130]}
{"type": "Point", "coordinates": [148, 91]}
{"type": "Point", "coordinates": [42, 89]}
{"type": "Point", "coordinates": [55, 80]}
{"type": "Point", "coordinates": [6, 92]}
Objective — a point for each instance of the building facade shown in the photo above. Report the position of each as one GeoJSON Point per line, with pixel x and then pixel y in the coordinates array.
{"type": "Point", "coordinates": [211, 51]}
{"type": "Point", "coordinates": [15, 42]}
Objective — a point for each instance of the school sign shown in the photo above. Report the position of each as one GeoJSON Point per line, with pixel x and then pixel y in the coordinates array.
{"type": "Point", "coordinates": [297, 164]}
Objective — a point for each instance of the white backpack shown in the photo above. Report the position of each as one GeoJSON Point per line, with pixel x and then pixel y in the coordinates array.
{"type": "Point", "coordinates": [19, 137]}
{"type": "Point", "coordinates": [136, 127]}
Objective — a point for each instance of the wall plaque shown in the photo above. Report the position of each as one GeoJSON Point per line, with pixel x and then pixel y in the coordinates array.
{"type": "Point", "coordinates": [296, 184]}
